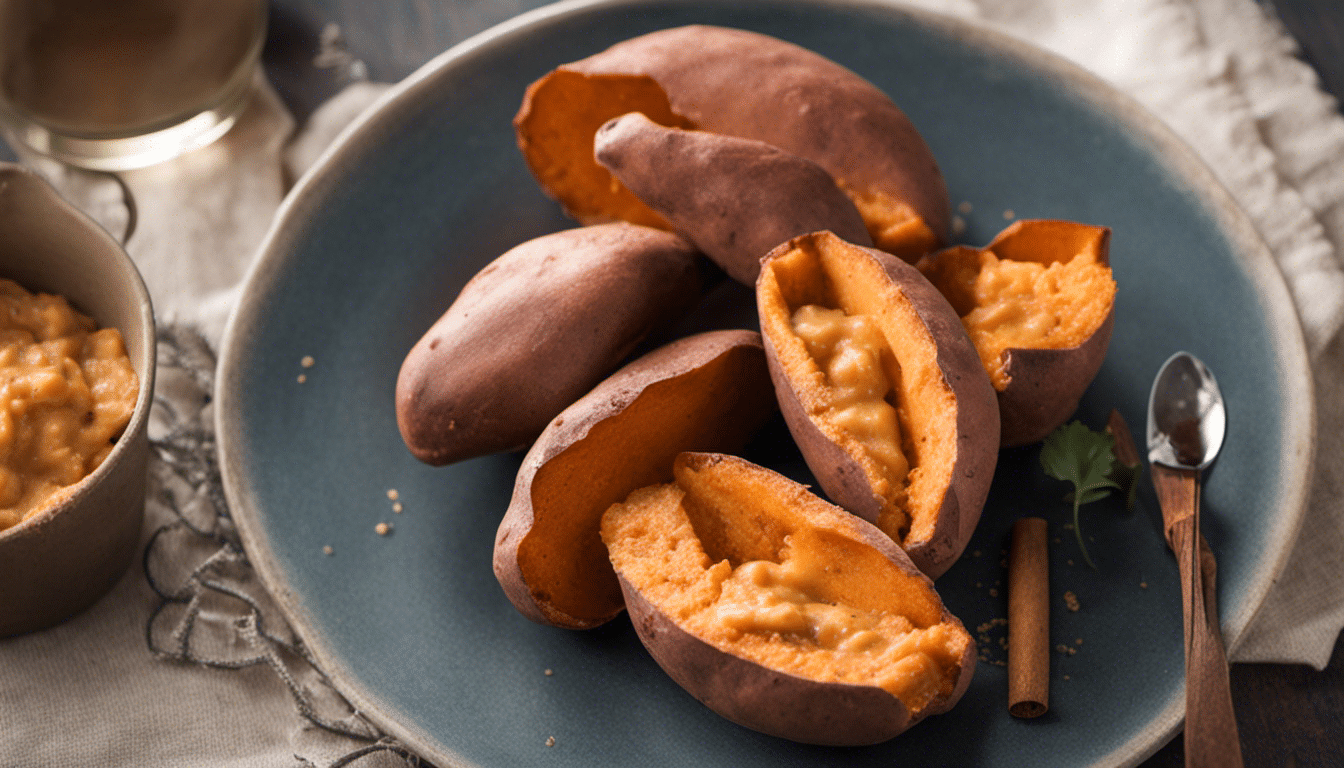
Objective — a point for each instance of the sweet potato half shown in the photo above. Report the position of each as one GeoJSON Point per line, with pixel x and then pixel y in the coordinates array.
{"type": "Point", "coordinates": [711, 391]}
{"type": "Point", "coordinates": [780, 611]}
{"type": "Point", "coordinates": [882, 390]}
{"type": "Point", "coordinates": [1039, 305]}
{"type": "Point", "coordinates": [736, 83]}
{"type": "Point", "coordinates": [533, 331]}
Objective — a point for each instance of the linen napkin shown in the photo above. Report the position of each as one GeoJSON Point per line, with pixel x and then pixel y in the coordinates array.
{"type": "Point", "coordinates": [226, 685]}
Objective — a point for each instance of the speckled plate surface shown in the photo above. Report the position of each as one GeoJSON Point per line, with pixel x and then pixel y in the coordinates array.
{"type": "Point", "coordinates": [374, 243]}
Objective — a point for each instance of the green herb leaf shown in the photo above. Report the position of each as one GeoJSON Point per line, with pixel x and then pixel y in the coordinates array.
{"type": "Point", "coordinates": [1075, 454]}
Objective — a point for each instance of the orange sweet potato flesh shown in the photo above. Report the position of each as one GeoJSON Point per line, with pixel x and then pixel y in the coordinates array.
{"type": "Point", "coordinates": [1039, 304]}
{"type": "Point", "coordinates": [710, 391]}
{"type": "Point", "coordinates": [736, 83]}
{"type": "Point", "coordinates": [946, 409]}
{"type": "Point", "coordinates": [864, 651]}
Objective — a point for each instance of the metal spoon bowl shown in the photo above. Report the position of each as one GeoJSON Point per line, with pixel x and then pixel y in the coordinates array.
{"type": "Point", "coordinates": [1186, 416]}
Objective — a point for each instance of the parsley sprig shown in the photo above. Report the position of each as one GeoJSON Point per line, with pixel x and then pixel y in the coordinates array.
{"type": "Point", "coordinates": [1075, 454]}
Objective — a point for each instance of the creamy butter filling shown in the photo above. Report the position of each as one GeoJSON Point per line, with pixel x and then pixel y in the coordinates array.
{"type": "Point", "coordinates": [849, 350]}
{"type": "Point", "coordinates": [781, 600]}
{"type": "Point", "coordinates": [1029, 305]}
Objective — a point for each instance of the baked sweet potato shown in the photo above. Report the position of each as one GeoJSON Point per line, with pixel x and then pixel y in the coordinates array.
{"type": "Point", "coordinates": [882, 390]}
{"type": "Point", "coordinates": [780, 611]}
{"type": "Point", "coordinates": [533, 331]}
{"type": "Point", "coordinates": [734, 198]}
{"type": "Point", "coordinates": [736, 83]}
{"type": "Point", "coordinates": [1039, 305]}
{"type": "Point", "coordinates": [710, 391]}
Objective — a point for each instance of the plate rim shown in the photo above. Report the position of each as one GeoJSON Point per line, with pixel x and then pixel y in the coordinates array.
{"type": "Point", "coordinates": [352, 143]}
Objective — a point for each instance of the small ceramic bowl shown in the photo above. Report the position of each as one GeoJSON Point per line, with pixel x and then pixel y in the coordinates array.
{"type": "Point", "coordinates": [59, 561]}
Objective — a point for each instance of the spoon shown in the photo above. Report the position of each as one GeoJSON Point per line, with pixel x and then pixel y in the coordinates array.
{"type": "Point", "coordinates": [1186, 424]}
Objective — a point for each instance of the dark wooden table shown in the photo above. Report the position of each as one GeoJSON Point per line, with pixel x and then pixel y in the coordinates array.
{"type": "Point", "coordinates": [1289, 715]}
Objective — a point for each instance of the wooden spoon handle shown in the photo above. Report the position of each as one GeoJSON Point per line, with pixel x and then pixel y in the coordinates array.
{"type": "Point", "coordinates": [1210, 722]}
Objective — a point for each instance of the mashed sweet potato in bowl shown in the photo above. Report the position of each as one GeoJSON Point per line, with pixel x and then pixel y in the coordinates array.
{"type": "Point", "coordinates": [76, 383]}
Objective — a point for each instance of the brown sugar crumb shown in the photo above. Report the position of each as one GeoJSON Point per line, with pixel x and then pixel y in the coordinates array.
{"type": "Point", "coordinates": [327, 550]}
{"type": "Point", "coordinates": [1143, 585]}
{"type": "Point", "coordinates": [307, 361]}
{"type": "Point", "coordinates": [993, 592]}
{"type": "Point", "coordinates": [383, 529]}
{"type": "Point", "coordinates": [1066, 677]}
{"type": "Point", "coordinates": [976, 553]}
{"type": "Point", "coordinates": [301, 378]}
{"type": "Point", "coordinates": [1009, 215]}
{"type": "Point", "coordinates": [992, 623]}
{"type": "Point", "coordinates": [397, 507]}
{"type": "Point", "coordinates": [1066, 650]}
{"type": "Point", "coordinates": [965, 207]}
{"type": "Point", "coordinates": [548, 673]}
{"type": "Point", "coordinates": [1071, 601]}
{"type": "Point", "coordinates": [550, 741]}
{"type": "Point", "coordinates": [393, 494]}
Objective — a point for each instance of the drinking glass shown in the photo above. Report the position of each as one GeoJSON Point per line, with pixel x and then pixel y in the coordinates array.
{"type": "Point", "coordinates": [119, 84]}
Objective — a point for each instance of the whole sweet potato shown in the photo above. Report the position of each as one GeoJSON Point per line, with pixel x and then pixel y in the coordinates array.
{"type": "Point", "coordinates": [734, 198]}
{"type": "Point", "coordinates": [533, 331]}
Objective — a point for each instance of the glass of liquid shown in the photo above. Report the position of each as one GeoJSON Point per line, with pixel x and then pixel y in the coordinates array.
{"type": "Point", "coordinates": [119, 84]}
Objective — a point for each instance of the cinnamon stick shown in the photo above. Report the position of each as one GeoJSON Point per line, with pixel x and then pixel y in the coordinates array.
{"type": "Point", "coordinates": [1028, 619]}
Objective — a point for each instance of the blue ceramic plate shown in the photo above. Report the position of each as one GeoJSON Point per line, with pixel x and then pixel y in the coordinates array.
{"type": "Point", "coordinates": [375, 242]}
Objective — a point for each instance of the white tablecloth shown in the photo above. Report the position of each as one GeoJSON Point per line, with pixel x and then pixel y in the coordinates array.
{"type": "Point", "coordinates": [90, 692]}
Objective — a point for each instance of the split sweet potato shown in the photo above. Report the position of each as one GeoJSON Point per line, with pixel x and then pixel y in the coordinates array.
{"type": "Point", "coordinates": [710, 391]}
{"type": "Point", "coordinates": [736, 83]}
{"type": "Point", "coordinates": [1039, 305]}
{"type": "Point", "coordinates": [882, 390]}
{"type": "Point", "coordinates": [780, 611]}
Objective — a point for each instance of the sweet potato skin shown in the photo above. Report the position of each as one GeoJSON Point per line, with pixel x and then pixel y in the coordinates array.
{"type": "Point", "coordinates": [746, 84]}
{"type": "Point", "coordinates": [776, 702]}
{"type": "Point", "coordinates": [977, 421]}
{"type": "Point", "coordinates": [1047, 384]}
{"type": "Point", "coordinates": [533, 331]}
{"type": "Point", "coordinates": [735, 198]}
{"type": "Point", "coordinates": [521, 540]}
